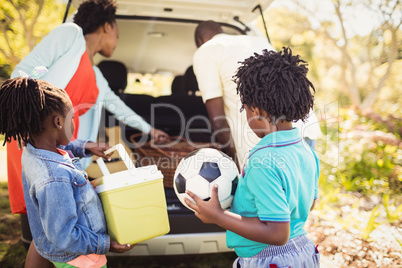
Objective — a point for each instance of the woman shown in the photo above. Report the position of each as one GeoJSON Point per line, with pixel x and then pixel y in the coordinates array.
{"type": "Point", "coordinates": [67, 52]}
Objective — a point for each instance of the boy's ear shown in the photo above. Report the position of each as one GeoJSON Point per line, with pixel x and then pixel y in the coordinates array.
{"type": "Point", "coordinates": [259, 112]}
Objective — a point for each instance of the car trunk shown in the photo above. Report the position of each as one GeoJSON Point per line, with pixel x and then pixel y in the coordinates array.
{"type": "Point", "coordinates": [157, 37]}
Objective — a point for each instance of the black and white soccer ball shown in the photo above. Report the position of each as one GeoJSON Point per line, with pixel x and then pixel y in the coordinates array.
{"type": "Point", "coordinates": [200, 170]}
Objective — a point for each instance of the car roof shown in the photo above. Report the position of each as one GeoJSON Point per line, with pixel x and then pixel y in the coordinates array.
{"type": "Point", "coordinates": [218, 10]}
{"type": "Point", "coordinates": [157, 36]}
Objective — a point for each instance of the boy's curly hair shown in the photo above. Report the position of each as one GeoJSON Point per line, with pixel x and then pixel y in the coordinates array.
{"type": "Point", "coordinates": [277, 83]}
{"type": "Point", "coordinates": [25, 104]}
{"type": "Point", "coordinates": [94, 13]}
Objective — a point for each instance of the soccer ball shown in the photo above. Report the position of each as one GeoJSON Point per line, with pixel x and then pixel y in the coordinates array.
{"type": "Point", "coordinates": [200, 170]}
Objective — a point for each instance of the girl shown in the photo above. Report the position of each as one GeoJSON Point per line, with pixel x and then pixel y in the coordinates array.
{"type": "Point", "coordinates": [64, 211]}
{"type": "Point", "coordinates": [68, 52]}
{"type": "Point", "coordinates": [279, 183]}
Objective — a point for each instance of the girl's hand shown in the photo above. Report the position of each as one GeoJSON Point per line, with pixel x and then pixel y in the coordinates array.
{"type": "Point", "coordinates": [118, 248]}
{"type": "Point", "coordinates": [158, 135]}
{"type": "Point", "coordinates": [95, 182]}
{"type": "Point", "coordinates": [207, 211]}
{"type": "Point", "coordinates": [98, 149]}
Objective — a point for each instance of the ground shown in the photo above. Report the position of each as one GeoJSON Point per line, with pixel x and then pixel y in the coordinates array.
{"type": "Point", "coordinates": [339, 235]}
{"type": "Point", "coordinates": [336, 231]}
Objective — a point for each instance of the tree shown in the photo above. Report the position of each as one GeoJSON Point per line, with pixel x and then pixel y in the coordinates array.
{"type": "Point", "coordinates": [389, 31]}
{"type": "Point", "coordinates": [293, 29]}
{"type": "Point", "coordinates": [363, 63]}
{"type": "Point", "coordinates": [23, 23]}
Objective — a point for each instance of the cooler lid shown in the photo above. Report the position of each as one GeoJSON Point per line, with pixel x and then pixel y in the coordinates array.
{"type": "Point", "coordinates": [128, 178]}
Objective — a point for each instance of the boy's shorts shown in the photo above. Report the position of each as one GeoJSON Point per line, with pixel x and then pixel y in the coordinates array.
{"type": "Point", "coordinates": [298, 252]}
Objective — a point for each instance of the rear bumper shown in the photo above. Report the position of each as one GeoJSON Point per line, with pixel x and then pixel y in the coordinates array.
{"type": "Point", "coordinates": [180, 244]}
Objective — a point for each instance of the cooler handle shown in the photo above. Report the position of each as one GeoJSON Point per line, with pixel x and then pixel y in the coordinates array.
{"type": "Point", "coordinates": [123, 154]}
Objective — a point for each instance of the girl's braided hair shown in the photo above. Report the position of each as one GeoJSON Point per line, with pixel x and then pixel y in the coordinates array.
{"type": "Point", "coordinates": [277, 83]}
{"type": "Point", "coordinates": [25, 104]}
{"type": "Point", "coordinates": [94, 13]}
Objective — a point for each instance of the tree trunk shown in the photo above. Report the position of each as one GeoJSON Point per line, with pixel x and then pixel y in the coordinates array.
{"type": "Point", "coordinates": [371, 98]}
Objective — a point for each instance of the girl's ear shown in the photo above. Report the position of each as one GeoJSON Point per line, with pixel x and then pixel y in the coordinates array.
{"type": "Point", "coordinates": [107, 27]}
{"type": "Point", "coordinates": [57, 122]}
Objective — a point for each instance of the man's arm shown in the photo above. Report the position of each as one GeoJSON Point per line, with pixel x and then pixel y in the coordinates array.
{"type": "Point", "coordinates": [220, 125]}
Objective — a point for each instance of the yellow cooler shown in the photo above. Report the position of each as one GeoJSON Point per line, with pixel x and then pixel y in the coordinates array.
{"type": "Point", "coordinates": [133, 201]}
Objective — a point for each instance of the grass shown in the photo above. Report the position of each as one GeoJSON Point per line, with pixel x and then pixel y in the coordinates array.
{"type": "Point", "coordinates": [12, 251]}
{"type": "Point", "coordinates": [12, 255]}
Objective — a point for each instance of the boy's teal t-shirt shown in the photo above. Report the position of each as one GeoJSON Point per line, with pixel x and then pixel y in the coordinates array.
{"type": "Point", "coordinates": [279, 184]}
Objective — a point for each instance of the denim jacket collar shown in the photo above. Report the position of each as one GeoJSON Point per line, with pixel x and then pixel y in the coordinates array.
{"type": "Point", "coordinates": [50, 156]}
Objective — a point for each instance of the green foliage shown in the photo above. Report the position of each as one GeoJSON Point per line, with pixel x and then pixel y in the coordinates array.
{"type": "Point", "coordinates": [363, 159]}
{"type": "Point", "coordinates": [12, 255]}
{"type": "Point", "coordinates": [12, 252]}
{"type": "Point", "coordinates": [23, 24]}
{"type": "Point", "coordinates": [371, 224]}
{"type": "Point", "coordinates": [397, 240]}
{"type": "Point", "coordinates": [370, 158]}
{"type": "Point", "coordinates": [390, 99]}
{"type": "Point", "coordinates": [350, 221]}
{"type": "Point", "coordinates": [329, 191]}
{"type": "Point", "coordinates": [5, 71]}
{"type": "Point", "coordinates": [4, 202]}
{"type": "Point", "coordinates": [394, 213]}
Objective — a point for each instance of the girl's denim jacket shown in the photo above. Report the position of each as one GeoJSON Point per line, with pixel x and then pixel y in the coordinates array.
{"type": "Point", "coordinates": [65, 214]}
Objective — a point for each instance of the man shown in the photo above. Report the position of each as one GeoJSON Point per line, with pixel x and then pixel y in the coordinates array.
{"type": "Point", "coordinates": [215, 62]}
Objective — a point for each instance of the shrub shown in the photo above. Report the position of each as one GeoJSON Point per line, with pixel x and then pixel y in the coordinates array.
{"type": "Point", "coordinates": [370, 158]}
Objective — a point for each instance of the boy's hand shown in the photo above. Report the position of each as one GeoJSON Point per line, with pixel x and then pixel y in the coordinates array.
{"type": "Point", "coordinates": [118, 248]}
{"type": "Point", "coordinates": [98, 149]}
{"type": "Point", "coordinates": [206, 211]}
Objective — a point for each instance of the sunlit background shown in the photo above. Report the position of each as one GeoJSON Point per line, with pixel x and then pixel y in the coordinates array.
{"type": "Point", "coordinates": [354, 51]}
